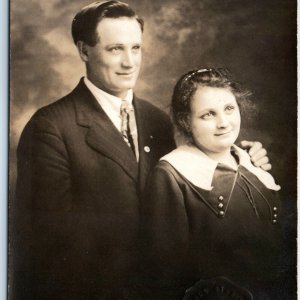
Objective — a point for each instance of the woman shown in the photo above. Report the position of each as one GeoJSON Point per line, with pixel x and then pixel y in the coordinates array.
{"type": "Point", "coordinates": [207, 211]}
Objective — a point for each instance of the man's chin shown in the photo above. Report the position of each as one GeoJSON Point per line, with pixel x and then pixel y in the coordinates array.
{"type": "Point", "coordinates": [127, 85]}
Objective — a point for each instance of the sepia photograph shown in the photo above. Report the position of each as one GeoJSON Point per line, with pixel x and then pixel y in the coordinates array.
{"type": "Point", "coordinates": [152, 150]}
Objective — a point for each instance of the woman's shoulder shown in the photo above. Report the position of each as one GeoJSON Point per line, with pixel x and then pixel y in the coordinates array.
{"type": "Point", "coordinates": [193, 165]}
{"type": "Point", "coordinates": [165, 167]}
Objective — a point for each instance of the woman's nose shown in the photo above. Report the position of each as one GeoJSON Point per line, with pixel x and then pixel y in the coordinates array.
{"type": "Point", "coordinates": [222, 121]}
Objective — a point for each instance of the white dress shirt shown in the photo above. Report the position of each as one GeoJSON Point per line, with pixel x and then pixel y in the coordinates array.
{"type": "Point", "coordinates": [109, 103]}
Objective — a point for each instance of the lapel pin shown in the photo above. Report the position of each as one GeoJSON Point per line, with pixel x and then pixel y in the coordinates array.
{"type": "Point", "coordinates": [146, 149]}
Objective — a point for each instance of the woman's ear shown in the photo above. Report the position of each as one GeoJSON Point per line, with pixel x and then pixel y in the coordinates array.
{"type": "Point", "coordinates": [83, 50]}
{"type": "Point", "coordinates": [185, 124]}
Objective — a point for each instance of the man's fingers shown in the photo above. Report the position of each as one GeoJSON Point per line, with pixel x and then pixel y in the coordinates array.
{"type": "Point", "coordinates": [261, 161]}
{"type": "Point", "coordinates": [252, 146]}
{"type": "Point", "coordinates": [256, 148]}
{"type": "Point", "coordinates": [246, 144]}
{"type": "Point", "coordinates": [258, 154]}
{"type": "Point", "coordinates": [266, 167]}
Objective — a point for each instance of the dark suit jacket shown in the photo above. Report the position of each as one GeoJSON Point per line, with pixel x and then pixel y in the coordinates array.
{"type": "Point", "coordinates": [78, 199]}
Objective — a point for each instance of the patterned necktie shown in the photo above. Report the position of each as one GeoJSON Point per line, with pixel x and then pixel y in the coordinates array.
{"type": "Point", "coordinates": [128, 127]}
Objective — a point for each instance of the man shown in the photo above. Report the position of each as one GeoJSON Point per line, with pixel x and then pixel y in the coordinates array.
{"type": "Point", "coordinates": [81, 170]}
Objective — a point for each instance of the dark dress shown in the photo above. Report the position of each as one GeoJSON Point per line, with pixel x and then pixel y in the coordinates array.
{"type": "Point", "coordinates": [192, 233]}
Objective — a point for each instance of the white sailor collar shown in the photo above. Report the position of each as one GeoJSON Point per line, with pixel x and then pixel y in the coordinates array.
{"type": "Point", "coordinates": [199, 169]}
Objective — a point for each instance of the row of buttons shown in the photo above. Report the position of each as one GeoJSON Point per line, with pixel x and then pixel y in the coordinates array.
{"type": "Point", "coordinates": [221, 206]}
{"type": "Point", "coordinates": [222, 212]}
{"type": "Point", "coordinates": [274, 215]}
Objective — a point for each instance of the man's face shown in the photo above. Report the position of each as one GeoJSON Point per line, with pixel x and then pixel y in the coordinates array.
{"type": "Point", "coordinates": [113, 64]}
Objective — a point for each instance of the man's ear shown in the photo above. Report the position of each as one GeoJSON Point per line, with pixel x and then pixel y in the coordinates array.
{"type": "Point", "coordinates": [83, 50]}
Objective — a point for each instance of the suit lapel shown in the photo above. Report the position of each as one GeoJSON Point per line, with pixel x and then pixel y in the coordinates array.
{"type": "Point", "coordinates": [147, 159]}
{"type": "Point", "coordinates": [102, 135]}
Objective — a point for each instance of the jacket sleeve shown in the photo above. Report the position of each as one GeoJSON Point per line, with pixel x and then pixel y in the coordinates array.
{"type": "Point", "coordinates": [43, 167]}
{"type": "Point", "coordinates": [41, 212]}
{"type": "Point", "coordinates": [164, 228]}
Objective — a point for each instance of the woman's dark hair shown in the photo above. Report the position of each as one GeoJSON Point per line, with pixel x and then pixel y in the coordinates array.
{"type": "Point", "coordinates": [187, 85]}
{"type": "Point", "coordinates": [85, 23]}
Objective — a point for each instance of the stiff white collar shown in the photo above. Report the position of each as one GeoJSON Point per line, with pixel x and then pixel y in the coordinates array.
{"type": "Point", "coordinates": [109, 103]}
{"type": "Point", "coordinates": [199, 169]}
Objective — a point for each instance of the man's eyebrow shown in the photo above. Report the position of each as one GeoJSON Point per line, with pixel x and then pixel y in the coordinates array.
{"type": "Point", "coordinates": [121, 45]}
{"type": "Point", "coordinates": [114, 44]}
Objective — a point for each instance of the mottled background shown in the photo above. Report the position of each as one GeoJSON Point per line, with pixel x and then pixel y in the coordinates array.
{"type": "Point", "coordinates": [256, 39]}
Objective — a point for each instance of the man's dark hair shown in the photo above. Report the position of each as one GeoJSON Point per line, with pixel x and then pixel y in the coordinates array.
{"type": "Point", "coordinates": [85, 23]}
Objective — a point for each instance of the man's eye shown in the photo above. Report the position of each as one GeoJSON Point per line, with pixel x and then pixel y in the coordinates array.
{"type": "Point", "coordinates": [207, 116]}
{"type": "Point", "coordinates": [115, 49]}
{"type": "Point", "coordinates": [136, 48]}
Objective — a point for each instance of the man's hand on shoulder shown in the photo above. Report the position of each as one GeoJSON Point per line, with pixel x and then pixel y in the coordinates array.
{"type": "Point", "coordinates": [258, 154]}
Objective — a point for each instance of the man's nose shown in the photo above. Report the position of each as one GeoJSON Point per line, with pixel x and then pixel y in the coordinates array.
{"type": "Point", "coordinates": [222, 121]}
{"type": "Point", "coordinates": [128, 60]}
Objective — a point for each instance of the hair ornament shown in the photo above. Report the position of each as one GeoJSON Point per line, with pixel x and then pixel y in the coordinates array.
{"type": "Point", "coordinates": [196, 72]}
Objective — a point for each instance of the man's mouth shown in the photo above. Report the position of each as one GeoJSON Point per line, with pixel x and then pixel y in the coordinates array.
{"type": "Point", "coordinates": [125, 73]}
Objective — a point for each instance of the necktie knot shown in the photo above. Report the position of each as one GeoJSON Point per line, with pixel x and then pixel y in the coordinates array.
{"type": "Point", "coordinates": [126, 107]}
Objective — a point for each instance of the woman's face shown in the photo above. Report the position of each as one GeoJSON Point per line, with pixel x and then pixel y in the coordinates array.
{"type": "Point", "coordinates": [215, 119]}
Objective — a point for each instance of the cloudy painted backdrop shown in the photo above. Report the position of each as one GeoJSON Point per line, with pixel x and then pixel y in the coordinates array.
{"type": "Point", "coordinates": [256, 39]}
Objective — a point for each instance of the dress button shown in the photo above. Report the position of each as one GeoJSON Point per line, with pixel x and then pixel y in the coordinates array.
{"type": "Point", "coordinates": [275, 208]}
{"type": "Point", "coordinates": [221, 198]}
{"type": "Point", "coordinates": [220, 205]}
{"type": "Point", "coordinates": [221, 213]}
{"type": "Point", "coordinates": [274, 221]}
{"type": "Point", "coordinates": [275, 216]}
{"type": "Point", "coordinates": [146, 149]}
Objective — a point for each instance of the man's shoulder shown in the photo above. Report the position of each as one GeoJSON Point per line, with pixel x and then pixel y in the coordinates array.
{"type": "Point", "coordinates": [60, 106]}
{"type": "Point", "coordinates": [147, 104]}
{"type": "Point", "coordinates": [151, 110]}
{"type": "Point", "coordinates": [63, 107]}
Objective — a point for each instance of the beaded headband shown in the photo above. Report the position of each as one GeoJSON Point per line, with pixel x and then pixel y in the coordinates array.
{"type": "Point", "coordinates": [196, 72]}
{"type": "Point", "coordinates": [217, 71]}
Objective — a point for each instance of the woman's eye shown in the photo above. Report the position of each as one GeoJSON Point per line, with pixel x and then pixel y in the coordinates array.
{"type": "Point", "coordinates": [207, 116]}
{"type": "Point", "coordinates": [229, 108]}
